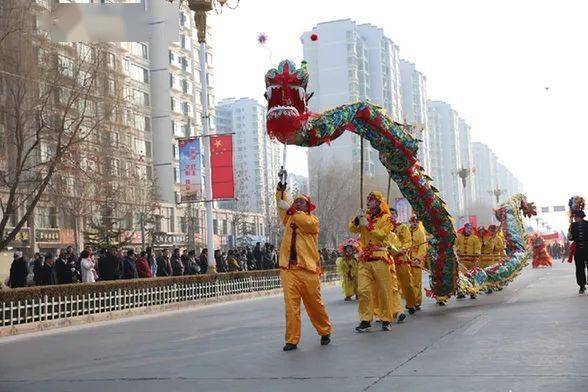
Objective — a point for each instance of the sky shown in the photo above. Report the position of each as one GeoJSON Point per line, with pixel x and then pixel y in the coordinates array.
{"type": "Point", "coordinates": [491, 60]}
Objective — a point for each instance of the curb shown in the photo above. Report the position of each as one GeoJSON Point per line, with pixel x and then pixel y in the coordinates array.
{"type": "Point", "coordinates": [40, 326]}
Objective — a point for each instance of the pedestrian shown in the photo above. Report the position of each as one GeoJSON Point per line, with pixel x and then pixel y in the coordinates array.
{"type": "Point", "coordinates": [203, 261]}
{"type": "Point", "coordinates": [190, 266]}
{"type": "Point", "coordinates": [152, 260]}
{"type": "Point", "coordinates": [87, 265]}
{"type": "Point", "coordinates": [48, 273]}
{"type": "Point", "coordinates": [232, 261]}
{"type": "Point", "coordinates": [218, 260]}
{"type": "Point", "coordinates": [418, 256]}
{"type": "Point", "coordinates": [176, 263]}
{"type": "Point", "coordinates": [37, 264]}
{"type": "Point", "coordinates": [250, 259]}
{"type": "Point", "coordinates": [129, 266]}
{"type": "Point", "coordinates": [578, 234]}
{"type": "Point", "coordinates": [109, 266]}
{"type": "Point", "coordinates": [258, 256]}
{"type": "Point", "coordinates": [18, 271]}
{"type": "Point", "coordinates": [62, 271]}
{"type": "Point", "coordinates": [299, 271]}
{"type": "Point", "coordinates": [267, 256]}
{"type": "Point", "coordinates": [143, 267]}
{"type": "Point", "coordinates": [164, 267]}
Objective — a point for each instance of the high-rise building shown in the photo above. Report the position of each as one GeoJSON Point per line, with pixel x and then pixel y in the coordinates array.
{"type": "Point", "coordinates": [351, 62]}
{"type": "Point", "coordinates": [413, 86]}
{"type": "Point", "coordinates": [257, 157]}
{"type": "Point", "coordinates": [445, 154]}
{"type": "Point", "coordinates": [485, 163]}
{"type": "Point", "coordinates": [467, 164]}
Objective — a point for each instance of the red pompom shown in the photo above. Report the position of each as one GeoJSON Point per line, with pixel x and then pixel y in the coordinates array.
{"type": "Point", "coordinates": [313, 36]}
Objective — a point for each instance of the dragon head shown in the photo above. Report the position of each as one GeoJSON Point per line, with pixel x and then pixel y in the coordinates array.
{"type": "Point", "coordinates": [287, 109]}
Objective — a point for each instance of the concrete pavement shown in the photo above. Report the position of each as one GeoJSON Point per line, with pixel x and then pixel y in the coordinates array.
{"type": "Point", "coordinates": [532, 336]}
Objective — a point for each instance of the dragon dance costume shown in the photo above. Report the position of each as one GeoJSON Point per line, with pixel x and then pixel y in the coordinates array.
{"type": "Point", "coordinates": [540, 256]}
{"type": "Point", "coordinates": [299, 269]}
{"type": "Point", "coordinates": [347, 268]}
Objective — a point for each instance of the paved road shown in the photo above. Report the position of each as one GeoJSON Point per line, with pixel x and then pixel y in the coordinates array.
{"type": "Point", "coordinates": [530, 337]}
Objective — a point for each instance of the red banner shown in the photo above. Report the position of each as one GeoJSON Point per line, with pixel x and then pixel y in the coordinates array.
{"type": "Point", "coordinates": [221, 164]}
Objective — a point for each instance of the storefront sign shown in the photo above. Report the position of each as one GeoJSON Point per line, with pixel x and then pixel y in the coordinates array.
{"type": "Point", "coordinates": [170, 238]}
{"type": "Point", "coordinates": [47, 235]}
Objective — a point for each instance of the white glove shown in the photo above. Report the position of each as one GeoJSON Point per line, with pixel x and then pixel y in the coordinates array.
{"type": "Point", "coordinates": [283, 205]}
{"type": "Point", "coordinates": [363, 222]}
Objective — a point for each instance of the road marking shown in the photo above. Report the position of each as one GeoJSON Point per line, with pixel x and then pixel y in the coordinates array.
{"type": "Point", "coordinates": [512, 300]}
{"type": "Point", "coordinates": [531, 285]}
{"type": "Point", "coordinates": [476, 326]}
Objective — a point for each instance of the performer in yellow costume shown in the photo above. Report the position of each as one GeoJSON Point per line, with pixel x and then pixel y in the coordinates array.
{"type": "Point", "coordinates": [418, 256]}
{"type": "Point", "coordinates": [497, 248]}
{"type": "Point", "coordinates": [347, 267]}
{"type": "Point", "coordinates": [469, 248]}
{"type": "Point", "coordinates": [374, 229]}
{"type": "Point", "coordinates": [300, 269]}
{"type": "Point", "coordinates": [486, 247]}
{"type": "Point", "coordinates": [402, 261]}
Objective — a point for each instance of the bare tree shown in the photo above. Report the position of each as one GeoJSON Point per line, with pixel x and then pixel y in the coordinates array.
{"type": "Point", "coordinates": [47, 110]}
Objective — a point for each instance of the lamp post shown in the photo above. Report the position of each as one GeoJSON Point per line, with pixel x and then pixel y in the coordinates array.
{"type": "Point", "coordinates": [497, 192]}
{"type": "Point", "coordinates": [463, 174]}
{"type": "Point", "coordinates": [200, 8]}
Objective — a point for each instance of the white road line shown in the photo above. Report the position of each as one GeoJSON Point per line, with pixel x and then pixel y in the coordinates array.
{"type": "Point", "coordinates": [512, 300]}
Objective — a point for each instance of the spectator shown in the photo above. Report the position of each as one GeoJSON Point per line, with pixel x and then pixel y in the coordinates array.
{"type": "Point", "coordinates": [191, 267]}
{"type": "Point", "coordinates": [18, 271]}
{"type": "Point", "coordinates": [87, 265]}
{"type": "Point", "coordinates": [109, 265]}
{"type": "Point", "coordinates": [143, 268]}
{"type": "Point", "coordinates": [152, 260]}
{"type": "Point", "coordinates": [129, 266]}
{"type": "Point", "coordinates": [164, 267]}
{"type": "Point", "coordinates": [63, 274]}
{"type": "Point", "coordinates": [243, 259]}
{"type": "Point", "coordinates": [218, 259]}
{"type": "Point", "coordinates": [250, 259]}
{"type": "Point", "coordinates": [70, 260]}
{"type": "Point", "coordinates": [258, 256]}
{"type": "Point", "coordinates": [267, 256]}
{"type": "Point", "coordinates": [203, 261]}
{"type": "Point", "coordinates": [48, 273]}
{"type": "Point", "coordinates": [232, 261]}
{"type": "Point", "coordinates": [37, 265]}
{"type": "Point", "coordinates": [176, 263]}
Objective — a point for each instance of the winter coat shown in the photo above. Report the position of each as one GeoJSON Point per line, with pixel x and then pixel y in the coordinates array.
{"type": "Point", "coordinates": [177, 266]}
{"type": "Point", "coordinates": [163, 266]}
{"type": "Point", "coordinates": [18, 273]}
{"type": "Point", "coordinates": [203, 263]}
{"type": "Point", "coordinates": [62, 272]}
{"type": "Point", "coordinates": [47, 275]}
{"type": "Point", "coordinates": [129, 269]}
{"type": "Point", "coordinates": [143, 268]}
{"type": "Point", "coordinates": [109, 267]}
{"type": "Point", "coordinates": [88, 271]}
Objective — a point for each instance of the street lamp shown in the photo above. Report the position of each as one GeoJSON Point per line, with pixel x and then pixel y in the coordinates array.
{"type": "Point", "coordinates": [497, 192]}
{"type": "Point", "coordinates": [464, 173]}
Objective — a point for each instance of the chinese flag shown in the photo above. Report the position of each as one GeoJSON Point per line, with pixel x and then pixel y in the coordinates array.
{"type": "Point", "coordinates": [221, 164]}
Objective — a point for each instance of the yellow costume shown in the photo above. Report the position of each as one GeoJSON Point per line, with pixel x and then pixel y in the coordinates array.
{"type": "Point", "coordinates": [402, 263]}
{"type": "Point", "coordinates": [299, 269]}
{"type": "Point", "coordinates": [347, 269]}
{"type": "Point", "coordinates": [468, 249]}
{"type": "Point", "coordinates": [373, 263]}
{"type": "Point", "coordinates": [486, 246]}
{"type": "Point", "coordinates": [418, 256]}
{"type": "Point", "coordinates": [498, 246]}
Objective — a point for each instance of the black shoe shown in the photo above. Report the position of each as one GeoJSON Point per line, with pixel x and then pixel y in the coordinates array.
{"type": "Point", "coordinates": [472, 296]}
{"type": "Point", "coordinates": [325, 340]}
{"type": "Point", "coordinates": [401, 317]}
{"type": "Point", "coordinates": [460, 295]}
{"type": "Point", "coordinates": [489, 291]}
{"type": "Point", "coordinates": [290, 347]}
{"type": "Point", "coordinates": [582, 290]}
{"type": "Point", "coordinates": [347, 299]}
{"type": "Point", "coordinates": [386, 326]}
{"type": "Point", "coordinates": [419, 308]}
{"type": "Point", "coordinates": [411, 310]}
{"type": "Point", "coordinates": [500, 289]}
{"type": "Point", "coordinates": [378, 321]}
{"type": "Point", "coordinates": [364, 326]}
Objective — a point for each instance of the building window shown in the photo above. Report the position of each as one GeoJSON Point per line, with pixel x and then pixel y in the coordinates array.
{"type": "Point", "coordinates": [47, 217]}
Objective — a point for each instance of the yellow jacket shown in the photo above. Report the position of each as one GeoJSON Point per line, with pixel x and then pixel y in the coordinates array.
{"type": "Point", "coordinates": [469, 246]}
{"type": "Point", "coordinates": [405, 237]}
{"type": "Point", "coordinates": [347, 267]}
{"type": "Point", "coordinates": [307, 230]}
{"type": "Point", "coordinates": [419, 243]}
{"type": "Point", "coordinates": [498, 245]}
{"type": "Point", "coordinates": [374, 237]}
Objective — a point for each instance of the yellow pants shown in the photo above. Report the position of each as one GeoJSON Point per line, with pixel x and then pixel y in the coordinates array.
{"type": "Point", "coordinates": [299, 284]}
{"type": "Point", "coordinates": [349, 285]}
{"type": "Point", "coordinates": [397, 307]}
{"type": "Point", "coordinates": [417, 284]}
{"type": "Point", "coordinates": [469, 262]}
{"type": "Point", "coordinates": [375, 289]}
{"type": "Point", "coordinates": [486, 261]}
{"type": "Point", "coordinates": [403, 271]}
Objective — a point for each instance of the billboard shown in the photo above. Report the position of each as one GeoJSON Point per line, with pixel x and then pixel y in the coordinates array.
{"type": "Point", "coordinates": [190, 170]}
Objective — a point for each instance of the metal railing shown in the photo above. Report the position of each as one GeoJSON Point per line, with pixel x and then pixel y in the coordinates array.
{"type": "Point", "coordinates": [61, 307]}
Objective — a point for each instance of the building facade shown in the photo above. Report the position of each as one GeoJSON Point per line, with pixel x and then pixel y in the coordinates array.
{"type": "Point", "coordinates": [258, 159]}
{"type": "Point", "coordinates": [467, 165]}
{"type": "Point", "coordinates": [351, 62]}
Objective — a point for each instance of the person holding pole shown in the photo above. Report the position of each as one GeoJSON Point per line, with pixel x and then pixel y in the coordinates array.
{"type": "Point", "coordinates": [300, 266]}
{"type": "Point", "coordinates": [418, 256]}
